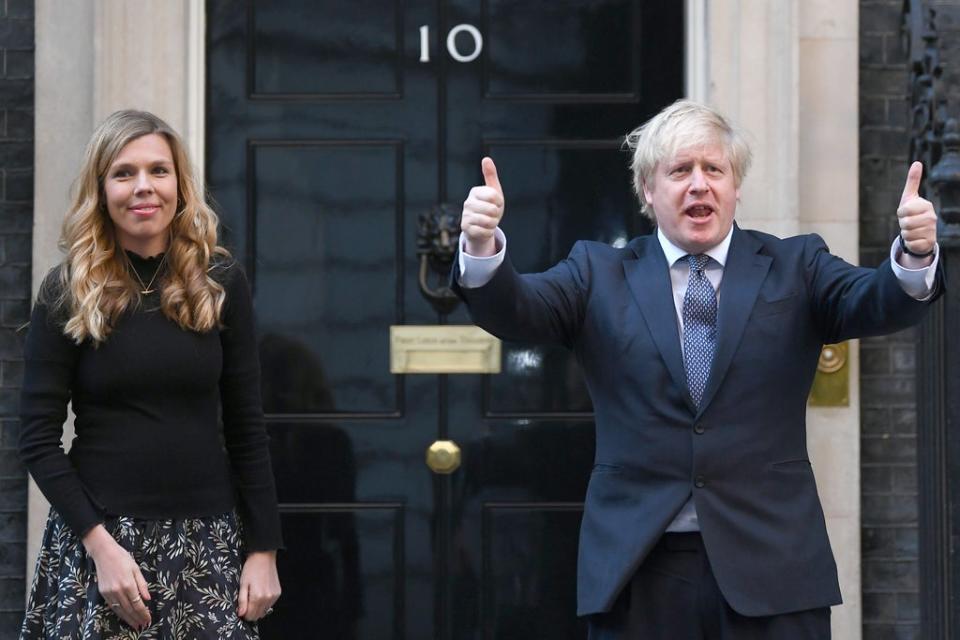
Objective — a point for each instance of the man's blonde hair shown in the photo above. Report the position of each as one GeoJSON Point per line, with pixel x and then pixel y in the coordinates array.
{"type": "Point", "coordinates": [682, 125]}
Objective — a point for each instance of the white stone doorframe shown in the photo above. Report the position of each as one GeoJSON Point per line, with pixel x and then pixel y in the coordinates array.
{"type": "Point", "coordinates": [775, 67]}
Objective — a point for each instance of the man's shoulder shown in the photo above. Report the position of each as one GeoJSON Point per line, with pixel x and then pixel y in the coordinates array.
{"type": "Point", "coordinates": [596, 250]}
{"type": "Point", "coordinates": [774, 245]}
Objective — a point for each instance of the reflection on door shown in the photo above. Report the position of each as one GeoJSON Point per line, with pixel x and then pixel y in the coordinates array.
{"type": "Point", "coordinates": [332, 126]}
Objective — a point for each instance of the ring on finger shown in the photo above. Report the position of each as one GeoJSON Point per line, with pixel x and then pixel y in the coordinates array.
{"type": "Point", "coordinates": [113, 605]}
{"type": "Point", "coordinates": [268, 611]}
{"type": "Point", "coordinates": [136, 599]}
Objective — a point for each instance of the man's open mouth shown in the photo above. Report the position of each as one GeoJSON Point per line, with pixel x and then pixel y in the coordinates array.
{"type": "Point", "coordinates": [698, 210]}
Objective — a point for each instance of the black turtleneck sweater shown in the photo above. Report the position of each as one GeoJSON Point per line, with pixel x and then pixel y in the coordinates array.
{"type": "Point", "coordinates": [168, 422]}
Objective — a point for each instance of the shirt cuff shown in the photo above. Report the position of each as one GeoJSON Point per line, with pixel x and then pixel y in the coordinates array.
{"type": "Point", "coordinates": [476, 271]}
{"type": "Point", "coordinates": [916, 283]}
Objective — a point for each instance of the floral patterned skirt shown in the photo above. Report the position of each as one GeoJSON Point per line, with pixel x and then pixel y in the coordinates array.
{"type": "Point", "coordinates": [191, 565]}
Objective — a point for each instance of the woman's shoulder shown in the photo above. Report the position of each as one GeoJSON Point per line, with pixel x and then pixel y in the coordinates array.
{"type": "Point", "coordinates": [53, 287]}
{"type": "Point", "coordinates": [52, 295]}
{"type": "Point", "coordinates": [228, 272]}
{"type": "Point", "coordinates": [53, 280]}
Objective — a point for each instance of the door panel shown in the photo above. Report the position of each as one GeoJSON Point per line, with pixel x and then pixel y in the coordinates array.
{"type": "Point", "coordinates": [525, 592]}
{"type": "Point", "coordinates": [310, 214]}
{"type": "Point", "coordinates": [328, 137]}
{"type": "Point", "coordinates": [547, 49]}
{"type": "Point", "coordinates": [325, 50]}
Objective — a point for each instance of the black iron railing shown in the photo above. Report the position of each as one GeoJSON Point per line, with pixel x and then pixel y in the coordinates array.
{"type": "Point", "coordinates": [935, 142]}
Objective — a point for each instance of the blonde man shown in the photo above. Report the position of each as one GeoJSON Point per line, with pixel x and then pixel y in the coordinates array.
{"type": "Point", "coordinates": [699, 344]}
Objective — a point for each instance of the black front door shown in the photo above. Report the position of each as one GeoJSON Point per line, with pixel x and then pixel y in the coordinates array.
{"type": "Point", "coordinates": [332, 125]}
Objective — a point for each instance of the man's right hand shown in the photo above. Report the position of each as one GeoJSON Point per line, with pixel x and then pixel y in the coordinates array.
{"type": "Point", "coordinates": [119, 578]}
{"type": "Point", "coordinates": [482, 211]}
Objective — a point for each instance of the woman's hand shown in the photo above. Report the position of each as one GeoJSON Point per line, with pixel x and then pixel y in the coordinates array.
{"type": "Point", "coordinates": [259, 585]}
{"type": "Point", "coordinates": [118, 577]}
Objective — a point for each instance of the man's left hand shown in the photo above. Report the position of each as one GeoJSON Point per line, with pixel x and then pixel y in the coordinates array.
{"type": "Point", "coordinates": [918, 221]}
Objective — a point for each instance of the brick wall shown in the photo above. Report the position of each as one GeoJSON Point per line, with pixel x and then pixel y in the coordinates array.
{"type": "Point", "coordinates": [16, 221]}
{"type": "Point", "coordinates": [888, 398]}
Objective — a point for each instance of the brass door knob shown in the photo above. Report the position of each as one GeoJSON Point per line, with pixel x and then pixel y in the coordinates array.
{"type": "Point", "coordinates": [443, 456]}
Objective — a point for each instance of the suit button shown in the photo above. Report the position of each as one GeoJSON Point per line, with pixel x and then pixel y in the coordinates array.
{"type": "Point", "coordinates": [699, 482]}
{"type": "Point", "coordinates": [698, 428]}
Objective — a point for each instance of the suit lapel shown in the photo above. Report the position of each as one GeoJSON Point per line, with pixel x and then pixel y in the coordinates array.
{"type": "Point", "coordinates": [743, 275]}
{"type": "Point", "coordinates": [648, 277]}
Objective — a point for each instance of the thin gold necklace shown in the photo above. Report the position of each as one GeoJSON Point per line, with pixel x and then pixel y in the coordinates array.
{"type": "Point", "coordinates": [145, 289]}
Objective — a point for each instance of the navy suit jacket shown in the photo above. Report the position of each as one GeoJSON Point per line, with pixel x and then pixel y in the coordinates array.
{"type": "Point", "coordinates": [743, 453]}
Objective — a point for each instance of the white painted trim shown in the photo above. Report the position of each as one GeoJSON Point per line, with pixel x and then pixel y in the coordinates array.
{"type": "Point", "coordinates": [64, 119]}
{"type": "Point", "coordinates": [696, 45]}
{"type": "Point", "coordinates": [196, 85]}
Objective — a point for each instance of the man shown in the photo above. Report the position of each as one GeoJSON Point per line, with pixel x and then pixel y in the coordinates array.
{"type": "Point", "coordinates": [699, 345]}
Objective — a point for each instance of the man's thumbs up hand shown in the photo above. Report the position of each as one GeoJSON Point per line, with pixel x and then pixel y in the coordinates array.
{"type": "Point", "coordinates": [482, 211]}
{"type": "Point", "coordinates": [918, 220]}
{"type": "Point", "coordinates": [490, 177]}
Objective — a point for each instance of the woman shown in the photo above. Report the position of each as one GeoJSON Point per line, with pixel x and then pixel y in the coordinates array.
{"type": "Point", "coordinates": [164, 516]}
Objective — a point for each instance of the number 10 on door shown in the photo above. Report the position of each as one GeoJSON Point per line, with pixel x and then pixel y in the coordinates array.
{"type": "Point", "coordinates": [452, 49]}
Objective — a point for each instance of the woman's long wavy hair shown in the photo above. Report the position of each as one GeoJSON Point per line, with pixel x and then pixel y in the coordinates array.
{"type": "Point", "coordinates": [95, 283]}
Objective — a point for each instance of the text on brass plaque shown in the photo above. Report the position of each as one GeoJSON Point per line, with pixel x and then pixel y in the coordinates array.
{"type": "Point", "coordinates": [443, 349]}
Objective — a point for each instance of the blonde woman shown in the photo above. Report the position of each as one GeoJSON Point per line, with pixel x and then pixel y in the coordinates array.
{"type": "Point", "coordinates": [164, 517]}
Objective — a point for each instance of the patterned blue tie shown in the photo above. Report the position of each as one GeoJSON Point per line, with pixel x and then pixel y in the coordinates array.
{"type": "Point", "coordinates": [699, 327]}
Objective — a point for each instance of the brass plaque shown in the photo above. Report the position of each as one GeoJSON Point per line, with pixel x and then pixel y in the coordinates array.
{"type": "Point", "coordinates": [443, 349]}
{"type": "Point", "coordinates": [831, 385]}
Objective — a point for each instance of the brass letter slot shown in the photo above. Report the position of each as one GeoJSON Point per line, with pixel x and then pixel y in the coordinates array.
{"type": "Point", "coordinates": [443, 349]}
